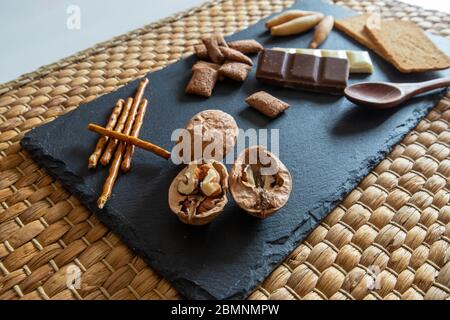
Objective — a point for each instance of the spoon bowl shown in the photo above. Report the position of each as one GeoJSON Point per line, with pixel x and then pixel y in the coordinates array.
{"type": "Point", "coordinates": [385, 95]}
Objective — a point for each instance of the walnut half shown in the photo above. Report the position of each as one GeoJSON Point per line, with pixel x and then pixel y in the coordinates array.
{"type": "Point", "coordinates": [259, 182]}
{"type": "Point", "coordinates": [198, 193]}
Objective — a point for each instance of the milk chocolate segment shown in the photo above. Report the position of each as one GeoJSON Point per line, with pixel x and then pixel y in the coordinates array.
{"type": "Point", "coordinates": [305, 68]}
{"type": "Point", "coordinates": [271, 63]}
{"type": "Point", "coordinates": [334, 72]}
{"type": "Point", "coordinates": [303, 71]}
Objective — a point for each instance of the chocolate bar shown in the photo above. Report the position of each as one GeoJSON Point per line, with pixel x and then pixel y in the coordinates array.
{"type": "Point", "coordinates": [303, 71]}
{"type": "Point", "coordinates": [359, 61]}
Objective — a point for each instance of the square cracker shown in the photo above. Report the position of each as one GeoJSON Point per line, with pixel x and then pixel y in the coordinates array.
{"type": "Point", "coordinates": [406, 46]}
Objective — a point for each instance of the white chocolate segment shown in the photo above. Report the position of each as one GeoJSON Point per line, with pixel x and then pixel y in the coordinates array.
{"type": "Point", "coordinates": [359, 61]}
{"type": "Point", "coordinates": [341, 54]}
{"type": "Point", "coordinates": [314, 52]}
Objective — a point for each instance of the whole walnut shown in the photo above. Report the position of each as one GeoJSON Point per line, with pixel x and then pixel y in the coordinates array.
{"type": "Point", "coordinates": [211, 134]}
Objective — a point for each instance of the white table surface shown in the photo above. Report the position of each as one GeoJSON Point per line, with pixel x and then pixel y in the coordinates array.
{"type": "Point", "coordinates": [37, 34]}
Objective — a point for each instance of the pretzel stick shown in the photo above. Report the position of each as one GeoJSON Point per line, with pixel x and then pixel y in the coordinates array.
{"type": "Point", "coordinates": [126, 163]}
{"type": "Point", "coordinates": [109, 150]}
{"type": "Point", "coordinates": [107, 155]}
{"type": "Point", "coordinates": [130, 140]}
{"type": "Point", "coordinates": [93, 159]}
{"type": "Point", "coordinates": [118, 155]}
{"type": "Point", "coordinates": [112, 176]}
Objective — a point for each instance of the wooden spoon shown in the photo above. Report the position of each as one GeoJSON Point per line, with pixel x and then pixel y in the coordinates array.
{"type": "Point", "coordinates": [385, 95]}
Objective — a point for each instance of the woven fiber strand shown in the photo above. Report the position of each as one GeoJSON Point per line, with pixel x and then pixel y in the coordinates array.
{"type": "Point", "coordinates": [388, 239]}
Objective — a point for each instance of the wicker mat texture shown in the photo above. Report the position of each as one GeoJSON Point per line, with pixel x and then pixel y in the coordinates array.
{"type": "Point", "coordinates": [389, 238]}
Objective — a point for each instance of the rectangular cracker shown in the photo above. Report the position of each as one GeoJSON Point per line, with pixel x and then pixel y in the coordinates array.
{"type": "Point", "coordinates": [407, 46]}
{"type": "Point", "coordinates": [355, 28]}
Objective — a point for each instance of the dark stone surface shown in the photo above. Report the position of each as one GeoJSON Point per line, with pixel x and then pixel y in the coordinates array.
{"type": "Point", "coordinates": [327, 143]}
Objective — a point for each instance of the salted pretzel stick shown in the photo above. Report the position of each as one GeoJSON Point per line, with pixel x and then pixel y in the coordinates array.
{"type": "Point", "coordinates": [126, 163]}
{"type": "Point", "coordinates": [109, 150]}
{"type": "Point", "coordinates": [95, 156]}
{"type": "Point", "coordinates": [131, 140]}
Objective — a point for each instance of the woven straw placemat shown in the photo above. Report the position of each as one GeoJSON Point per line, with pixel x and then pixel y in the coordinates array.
{"type": "Point", "coordinates": [389, 238]}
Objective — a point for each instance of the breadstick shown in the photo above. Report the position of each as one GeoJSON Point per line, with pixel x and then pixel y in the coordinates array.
{"type": "Point", "coordinates": [131, 140]}
{"type": "Point", "coordinates": [287, 16]}
{"type": "Point", "coordinates": [95, 156]}
{"type": "Point", "coordinates": [322, 31]}
{"type": "Point", "coordinates": [126, 163]}
{"type": "Point", "coordinates": [297, 25]}
{"type": "Point", "coordinates": [109, 150]}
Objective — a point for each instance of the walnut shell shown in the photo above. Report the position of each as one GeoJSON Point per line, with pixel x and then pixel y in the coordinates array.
{"type": "Point", "coordinates": [214, 122]}
{"type": "Point", "coordinates": [211, 207]}
{"type": "Point", "coordinates": [260, 195]}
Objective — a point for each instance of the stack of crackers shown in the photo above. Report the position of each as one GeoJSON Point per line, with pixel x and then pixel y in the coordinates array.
{"type": "Point", "coordinates": [402, 43]}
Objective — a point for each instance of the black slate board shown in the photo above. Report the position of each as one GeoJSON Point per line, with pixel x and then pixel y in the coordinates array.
{"type": "Point", "coordinates": [327, 143]}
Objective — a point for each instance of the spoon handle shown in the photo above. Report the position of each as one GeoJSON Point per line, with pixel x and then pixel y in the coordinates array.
{"type": "Point", "coordinates": [412, 89]}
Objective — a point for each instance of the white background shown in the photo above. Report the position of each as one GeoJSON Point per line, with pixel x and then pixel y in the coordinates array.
{"type": "Point", "coordinates": [34, 32]}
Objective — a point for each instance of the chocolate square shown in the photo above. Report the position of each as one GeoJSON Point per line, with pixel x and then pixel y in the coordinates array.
{"type": "Point", "coordinates": [271, 63]}
{"type": "Point", "coordinates": [304, 67]}
{"type": "Point", "coordinates": [334, 72]}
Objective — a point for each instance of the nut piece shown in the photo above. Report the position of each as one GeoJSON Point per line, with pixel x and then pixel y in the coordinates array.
{"type": "Point", "coordinates": [210, 186]}
{"type": "Point", "coordinates": [189, 183]}
{"type": "Point", "coordinates": [194, 205]}
{"type": "Point", "coordinates": [212, 134]}
{"type": "Point", "coordinates": [259, 182]}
